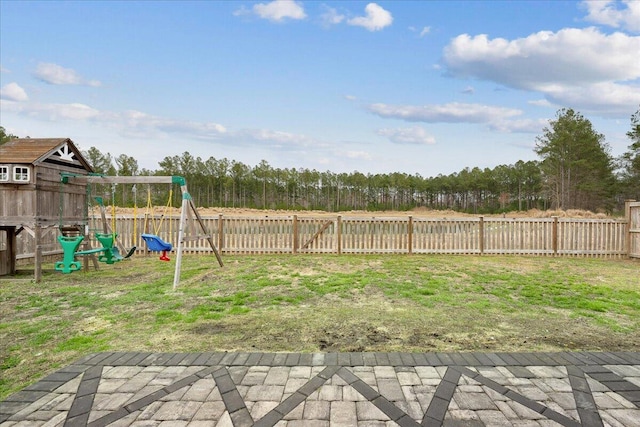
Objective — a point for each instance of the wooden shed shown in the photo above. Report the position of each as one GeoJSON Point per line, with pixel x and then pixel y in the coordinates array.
{"type": "Point", "coordinates": [32, 198]}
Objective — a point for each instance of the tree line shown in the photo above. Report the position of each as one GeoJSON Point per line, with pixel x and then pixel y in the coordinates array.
{"type": "Point", "coordinates": [229, 183]}
{"type": "Point", "coordinates": [575, 171]}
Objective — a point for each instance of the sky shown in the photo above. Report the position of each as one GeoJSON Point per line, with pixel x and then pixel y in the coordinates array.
{"type": "Point", "coordinates": [417, 87]}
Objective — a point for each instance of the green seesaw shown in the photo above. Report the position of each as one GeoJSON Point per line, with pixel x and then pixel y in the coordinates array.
{"type": "Point", "coordinates": [109, 253]}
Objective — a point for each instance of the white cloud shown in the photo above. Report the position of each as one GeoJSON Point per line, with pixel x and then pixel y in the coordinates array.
{"type": "Point", "coordinates": [279, 10]}
{"type": "Point", "coordinates": [276, 139]}
{"type": "Point", "coordinates": [73, 111]}
{"type": "Point", "coordinates": [357, 155]}
{"type": "Point", "coordinates": [127, 122]}
{"type": "Point", "coordinates": [423, 32]}
{"type": "Point", "coordinates": [56, 75]}
{"type": "Point", "coordinates": [330, 16]}
{"type": "Point", "coordinates": [13, 92]}
{"type": "Point", "coordinates": [561, 65]}
{"type": "Point", "coordinates": [568, 56]}
{"type": "Point", "coordinates": [540, 103]}
{"type": "Point", "coordinates": [4, 70]}
{"type": "Point", "coordinates": [147, 122]}
{"type": "Point", "coordinates": [376, 18]}
{"type": "Point", "coordinates": [141, 125]}
{"type": "Point", "coordinates": [444, 113]}
{"type": "Point", "coordinates": [469, 90]}
{"type": "Point", "coordinates": [242, 11]}
{"type": "Point", "coordinates": [496, 118]}
{"type": "Point", "coordinates": [519, 125]}
{"type": "Point", "coordinates": [350, 97]}
{"type": "Point", "coordinates": [412, 135]}
{"type": "Point", "coordinates": [617, 14]}
{"type": "Point", "coordinates": [608, 98]}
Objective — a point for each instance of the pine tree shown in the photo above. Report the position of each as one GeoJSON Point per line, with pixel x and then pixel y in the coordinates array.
{"type": "Point", "coordinates": [631, 161]}
{"type": "Point", "coordinates": [4, 136]}
{"type": "Point", "coordinates": [576, 164]}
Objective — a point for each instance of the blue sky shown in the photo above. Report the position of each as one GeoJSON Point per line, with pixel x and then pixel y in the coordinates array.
{"type": "Point", "coordinates": [426, 87]}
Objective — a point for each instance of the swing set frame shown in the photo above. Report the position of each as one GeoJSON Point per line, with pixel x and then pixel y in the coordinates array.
{"type": "Point", "coordinates": [189, 215]}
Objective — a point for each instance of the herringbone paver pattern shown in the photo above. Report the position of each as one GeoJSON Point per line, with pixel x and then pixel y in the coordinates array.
{"type": "Point", "coordinates": [334, 389]}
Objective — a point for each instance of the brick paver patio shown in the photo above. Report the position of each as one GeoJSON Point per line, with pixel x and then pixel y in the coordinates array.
{"type": "Point", "coordinates": [335, 389]}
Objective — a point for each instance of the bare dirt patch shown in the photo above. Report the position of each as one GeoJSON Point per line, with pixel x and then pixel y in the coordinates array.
{"type": "Point", "coordinates": [416, 212]}
{"type": "Point", "coordinates": [365, 323]}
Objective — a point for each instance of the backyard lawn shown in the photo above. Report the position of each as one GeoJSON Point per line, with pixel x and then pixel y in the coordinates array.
{"type": "Point", "coordinates": [302, 303]}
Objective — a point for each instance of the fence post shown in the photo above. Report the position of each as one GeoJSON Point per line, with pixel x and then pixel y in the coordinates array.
{"type": "Point", "coordinates": [554, 236]}
{"type": "Point", "coordinates": [410, 235]}
{"type": "Point", "coordinates": [38, 255]}
{"type": "Point", "coordinates": [627, 217]}
{"type": "Point", "coordinates": [220, 233]}
{"type": "Point", "coordinates": [481, 235]}
{"type": "Point", "coordinates": [339, 235]}
{"type": "Point", "coordinates": [295, 234]}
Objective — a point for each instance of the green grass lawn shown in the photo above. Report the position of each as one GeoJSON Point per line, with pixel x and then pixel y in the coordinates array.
{"type": "Point", "coordinates": [318, 303]}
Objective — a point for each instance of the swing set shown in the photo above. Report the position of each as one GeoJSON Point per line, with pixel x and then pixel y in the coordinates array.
{"type": "Point", "coordinates": [191, 227]}
{"type": "Point", "coordinates": [108, 253]}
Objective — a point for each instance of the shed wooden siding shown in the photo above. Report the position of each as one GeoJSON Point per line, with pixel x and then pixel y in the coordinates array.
{"type": "Point", "coordinates": [43, 201]}
{"type": "Point", "coordinates": [19, 203]}
{"type": "Point", "coordinates": [357, 235]}
{"type": "Point", "coordinates": [60, 203]}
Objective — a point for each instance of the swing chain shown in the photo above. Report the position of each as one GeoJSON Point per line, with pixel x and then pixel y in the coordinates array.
{"type": "Point", "coordinates": [113, 208]}
{"type": "Point", "coordinates": [134, 190]}
{"type": "Point", "coordinates": [149, 217]}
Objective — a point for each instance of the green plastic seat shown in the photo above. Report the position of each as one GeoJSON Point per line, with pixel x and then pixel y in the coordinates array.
{"type": "Point", "coordinates": [69, 246]}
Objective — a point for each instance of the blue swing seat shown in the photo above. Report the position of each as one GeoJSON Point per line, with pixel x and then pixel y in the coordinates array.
{"type": "Point", "coordinates": [156, 244]}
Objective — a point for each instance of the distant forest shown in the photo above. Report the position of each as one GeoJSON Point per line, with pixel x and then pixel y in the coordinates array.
{"type": "Point", "coordinates": [575, 171]}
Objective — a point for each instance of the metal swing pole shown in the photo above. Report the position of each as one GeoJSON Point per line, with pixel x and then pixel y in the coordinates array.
{"type": "Point", "coordinates": [183, 214]}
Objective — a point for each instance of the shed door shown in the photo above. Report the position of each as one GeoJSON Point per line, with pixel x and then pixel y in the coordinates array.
{"type": "Point", "coordinates": [7, 250]}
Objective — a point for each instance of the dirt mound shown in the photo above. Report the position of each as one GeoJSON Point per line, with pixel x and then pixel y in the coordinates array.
{"type": "Point", "coordinates": [420, 212]}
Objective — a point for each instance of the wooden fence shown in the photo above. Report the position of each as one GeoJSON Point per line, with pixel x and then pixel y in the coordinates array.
{"type": "Point", "coordinates": [377, 235]}
{"type": "Point", "coordinates": [633, 236]}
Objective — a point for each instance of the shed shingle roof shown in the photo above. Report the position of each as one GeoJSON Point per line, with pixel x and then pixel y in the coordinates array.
{"type": "Point", "coordinates": [29, 150]}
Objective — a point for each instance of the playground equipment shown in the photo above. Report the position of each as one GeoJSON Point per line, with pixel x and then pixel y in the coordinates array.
{"type": "Point", "coordinates": [152, 239]}
{"type": "Point", "coordinates": [191, 227]}
{"type": "Point", "coordinates": [33, 203]}
{"type": "Point", "coordinates": [109, 253]}
{"type": "Point", "coordinates": [156, 244]}
{"type": "Point", "coordinates": [109, 239]}
{"type": "Point", "coordinates": [69, 246]}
